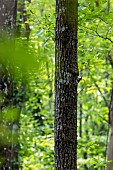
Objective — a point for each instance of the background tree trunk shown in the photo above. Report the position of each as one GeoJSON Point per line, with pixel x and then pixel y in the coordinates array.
{"type": "Point", "coordinates": [8, 13]}
{"type": "Point", "coordinates": [66, 76]}
{"type": "Point", "coordinates": [8, 145]}
{"type": "Point", "coordinates": [23, 19]}
{"type": "Point", "coordinates": [110, 145]}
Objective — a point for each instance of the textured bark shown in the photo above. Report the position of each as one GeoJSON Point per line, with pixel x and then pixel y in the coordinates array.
{"type": "Point", "coordinates": [66, 77]}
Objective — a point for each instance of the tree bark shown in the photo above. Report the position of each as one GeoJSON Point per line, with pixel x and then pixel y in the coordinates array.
{"type": "Point", "coordinates": [8, 11]}
{"type": "Point", "coordinates": [66, 80]}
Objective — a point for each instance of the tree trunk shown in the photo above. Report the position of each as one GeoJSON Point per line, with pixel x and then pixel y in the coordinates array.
{"type": "Point", "coordinates": [8, 14]}
{"type": "Point", "coordinates": [23, 19]}
{"type": "Point", "coordinates": [66, 80]}
{"type": "Point", "coordinates": [8, 127]}
{"type": "Point", "coordinates": [81, 113]}
{"type": "Point", "coordinates": [110, 145]}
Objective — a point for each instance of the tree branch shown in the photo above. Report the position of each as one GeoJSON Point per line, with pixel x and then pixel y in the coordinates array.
{"type": "Point", "coordinates": [105, 38]}
{"type": "Point", "coordinates": [100, 92]}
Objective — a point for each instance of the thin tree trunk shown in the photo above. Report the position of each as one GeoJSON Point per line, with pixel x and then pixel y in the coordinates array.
{"type": "Point", "coordinates": [66, 79]}
{"type": "Point", "coordinates": [81, 113]}
{"type": "Point", "coordinates": [110, 145]}
{"type": "Point", "coordinates": [85, 154]}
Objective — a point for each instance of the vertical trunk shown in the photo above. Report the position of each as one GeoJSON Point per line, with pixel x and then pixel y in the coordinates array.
{"type": "Point", "coordinates": [85, 155]}
{"type": "Point", "coordinates": [80, 130]}
{"type": "Point", "coordinates": [8, 147]}
{"type": "Point", "coordinates": [97, 3]}
{"type": "Point", "coordinates": [8, 10]}
{"type": "Point", "coordinates": [110, 145]}
{"type": "Point", "coordinates": [108, 6]}
{"type": "Point", "coordinates": [23, 17]}
{"type": "Point", "coordinates": [66, 74]}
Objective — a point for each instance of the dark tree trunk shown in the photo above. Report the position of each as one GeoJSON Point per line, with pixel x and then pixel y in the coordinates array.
{"type": "Point", "coordinates": [66, 79]}
{"type": "Point", "coordinates": [8, 145]}
{"type": "Point", "coordinates": [8, 14]}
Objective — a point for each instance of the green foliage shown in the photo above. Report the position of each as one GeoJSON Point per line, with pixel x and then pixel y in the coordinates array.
{"type": "Point", "coordinates": [10, 115]}
{"type": "Point", "coordinates": [36, 136]}
{"type": "Point", "coordinates": [95, 45]}
{"type": "Point", "coordinates": [36, 121]}
{"type": "Point", "coordinates": [30, 68]}
{"type": "Point", "coordinates": [36, 150]}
